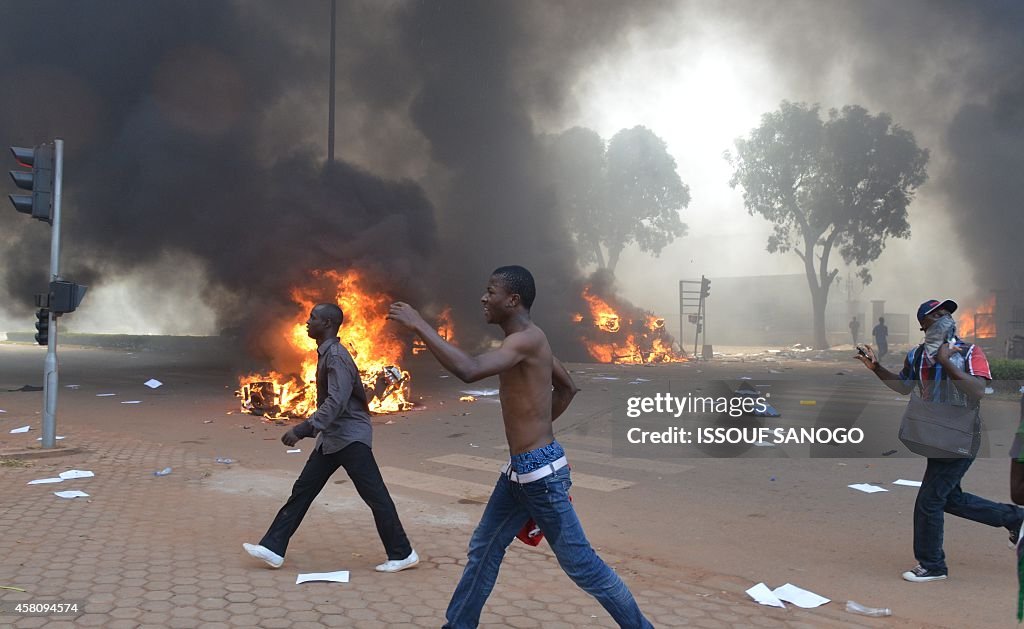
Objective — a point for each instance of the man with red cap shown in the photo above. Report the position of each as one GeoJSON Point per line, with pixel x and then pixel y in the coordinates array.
{"type": "Point", "coordinates": [946, 370]}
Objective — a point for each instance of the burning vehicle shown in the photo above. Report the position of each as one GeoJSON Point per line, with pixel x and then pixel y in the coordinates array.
{"type": "Point", "coordinates": [373, 345]}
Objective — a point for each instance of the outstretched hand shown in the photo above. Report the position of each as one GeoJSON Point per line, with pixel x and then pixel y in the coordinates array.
{"type": "Point", "coordinates": [404, 314]}
{"type": "Point", "coordinates": [868, 357]}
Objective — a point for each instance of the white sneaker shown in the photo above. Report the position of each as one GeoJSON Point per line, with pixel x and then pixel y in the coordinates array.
{"type": "Point", "coordinates": [918, 574]}
{"type": "Point", "coordinates": [259, 552]}
{"type": "Point", "coordinates": [397, 565]}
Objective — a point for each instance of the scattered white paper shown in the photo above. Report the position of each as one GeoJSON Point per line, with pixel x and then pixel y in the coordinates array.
{"type": "Point", "coordinates": [45, 481]}
{"type": "Point", "coordinates": [105, 394]}
{"type": "Point", "coordinates": [338, 576]}
{"type": "Point", "coordinates": [989, 390]}
{"type": "Point", "coordinates": [68, 475]}
{"type": "Point", "coordinates": [605, 378]}
{"type": "Point", "coordinates": [867, 488]}
{"type": "Point", "coordinates": [3, 411]}
{"type": "Point", "coordinates": [152, 383]}
{"type": "Point", "coordinates": [480, 392]}
{"type": "Point", "coordinates": [799, 597]}
{"type": "Point", "coordinates": [764, 596]}
{"type": "Point", "coordinates": [296, 450]}
{"type": "Point", "coordinates": [72, 386]}
{"type": "Point", "coordinates": [131, 402]}
{"type": "Point", "coordinates": [908, 483]}
{"type": "Point", "coordinates": [57, 437]}
{"type": "Point", "coordinates": [74, 493]}
{"type": "Point", "coordinates": [22, 429]}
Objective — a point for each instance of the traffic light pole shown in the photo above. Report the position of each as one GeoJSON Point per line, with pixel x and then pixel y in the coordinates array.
{"type": "Point", "coordinates": [50, 365]}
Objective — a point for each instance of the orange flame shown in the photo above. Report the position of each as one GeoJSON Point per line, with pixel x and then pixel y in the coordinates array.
{"type": "Point", "coordinates": [611, 338]}
{"type": "Point", "coordinates": [374, 347]}
{"type": "Point", "coordinates": [979, 322]}
{"type": "Point", "coordinates": [445, 329]}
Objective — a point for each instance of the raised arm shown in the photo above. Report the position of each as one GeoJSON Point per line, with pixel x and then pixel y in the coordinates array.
{"type": "Point", "coordinates": [892, 380]}
{"type": "Point", "coordinates": [464, 366]}
{"type": "Point", "coordinates": [971, 386]}
{"type": "Point", "coordinates": [564, 389]}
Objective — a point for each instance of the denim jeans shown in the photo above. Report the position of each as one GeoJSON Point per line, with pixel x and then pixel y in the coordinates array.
{"type": "Point", "coordinates": [940, 492]}
{"type": "Point", "coordinates": [546, 500]}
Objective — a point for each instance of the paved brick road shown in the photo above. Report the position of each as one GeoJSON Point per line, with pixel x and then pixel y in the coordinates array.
{"type": "Point", "coordinates": [147, 551]}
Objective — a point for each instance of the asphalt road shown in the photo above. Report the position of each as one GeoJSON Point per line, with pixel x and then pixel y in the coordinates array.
{"type": "Point", "coordinates": [774, 513]}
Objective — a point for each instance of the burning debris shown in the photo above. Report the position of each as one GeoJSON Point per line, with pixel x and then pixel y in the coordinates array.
{"type": "Point", "coordinates": [623, 333]}
{"type": "Point", "coordinates": [978, 323]}
{"type": "Point", "coordinates": [375, 350]}
{"type": "Point", "coordinates": [445, 329]}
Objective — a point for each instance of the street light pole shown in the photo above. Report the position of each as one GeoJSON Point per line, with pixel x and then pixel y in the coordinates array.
{"type": "Point", "coordinates": [330, 106]}
{"type": "Point", "coordinates": [50, 364]}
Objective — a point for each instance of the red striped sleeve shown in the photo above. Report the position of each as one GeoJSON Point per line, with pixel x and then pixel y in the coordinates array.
{"type": "Point", "coordinates": [977, 363]}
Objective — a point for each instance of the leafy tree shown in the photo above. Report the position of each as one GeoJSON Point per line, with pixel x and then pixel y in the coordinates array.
{"type": "Point", "coordinates": [843, 183]}
{"type": "Point", "coordinates": [616, 194]}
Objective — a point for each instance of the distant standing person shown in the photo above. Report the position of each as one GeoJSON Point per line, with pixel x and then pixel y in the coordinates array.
{"type": "Point", "coordinates": [881, 334]}
{"type": "Point", "coordinates": [534, 389]}
{"type": "Point", "coordinates": [343, 433]}
{"type": "Point", "coordinates": [855, 330]}
{"type": "Point", "coordinates": [946, 370]}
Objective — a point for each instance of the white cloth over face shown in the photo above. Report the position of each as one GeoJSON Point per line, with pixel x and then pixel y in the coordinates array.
{"type": "Point", "coordinates": [942, 331]}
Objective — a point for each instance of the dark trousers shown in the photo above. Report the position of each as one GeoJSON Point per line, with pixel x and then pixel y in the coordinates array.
{"type": "Point", "coordinates": [940, 492]}
{"type": "Point", "coordinates": [357, 459]}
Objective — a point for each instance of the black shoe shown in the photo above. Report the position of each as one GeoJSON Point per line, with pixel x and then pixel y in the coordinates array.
{"type": "Point", "coordinates": [917, 574]}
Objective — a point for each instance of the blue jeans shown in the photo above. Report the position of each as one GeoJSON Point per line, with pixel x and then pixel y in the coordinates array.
{"type": "Point", "coordinates": [547, 501]}
{"type": "Point", "coordinates": [940, 492]}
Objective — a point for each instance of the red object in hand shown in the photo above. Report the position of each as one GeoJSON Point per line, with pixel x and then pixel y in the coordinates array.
{"type": "Point", "coordinates": [530, 534]}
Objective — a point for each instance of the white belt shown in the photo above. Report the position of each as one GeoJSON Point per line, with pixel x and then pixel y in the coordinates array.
{"type": "Point", "coordinates": [536, 474]}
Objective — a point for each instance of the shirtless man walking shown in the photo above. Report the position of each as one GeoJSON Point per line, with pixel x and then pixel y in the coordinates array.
{"type": "Point", "coordinates": [535, 389]}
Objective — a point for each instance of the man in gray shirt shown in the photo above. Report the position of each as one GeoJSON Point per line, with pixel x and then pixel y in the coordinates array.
{"type": "Point", "coordinates": [343, 433]}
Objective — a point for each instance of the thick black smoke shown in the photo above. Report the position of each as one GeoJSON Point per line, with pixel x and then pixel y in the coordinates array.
{"type": "Point", "coordinates": [164, 108]}
{"type": "Point", "coordinates": [197, 127]}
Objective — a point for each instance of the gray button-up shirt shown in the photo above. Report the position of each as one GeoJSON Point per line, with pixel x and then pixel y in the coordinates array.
{"type": "Point", "coordinates": [342, 415]}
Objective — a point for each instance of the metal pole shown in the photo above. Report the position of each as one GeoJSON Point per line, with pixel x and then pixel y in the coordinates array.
{"type": "Point", "coordinates": [681, 295]}
{"type": "Point", "coordinates": [50, 365]}
{"type": "Point", "coordinates": [330, 106]}
{"type": "Point", "coordinates": [700, 318]}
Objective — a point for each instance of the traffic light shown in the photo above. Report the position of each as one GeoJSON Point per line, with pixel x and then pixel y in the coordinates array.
{"type": "Point", "coordinates": [65, 296]}
{"type": "Point", "coordinates": [40, 181]}
{"type": "Point", "coordinates": [42, 326]}
{"type": "Point", "coordinates": [705, 287]}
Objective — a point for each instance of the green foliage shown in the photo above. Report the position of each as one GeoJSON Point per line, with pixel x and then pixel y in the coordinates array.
{"type": "Point", "coordinates": [1006, 369]}
{"type": "Point", "coordinates": [616, 194]}
{"type": "Point", "coordinates": [843, 183]}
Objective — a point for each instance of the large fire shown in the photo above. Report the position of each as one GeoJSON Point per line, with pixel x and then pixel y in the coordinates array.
{"type": "Point", "coordinates": [445, 329]}
{"type": "Point", "coordinates": [979, 322]}
{"type": "Point", "coordinates": [366, 335]}
{"type": "Point", "coordinates": [611, 337]}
